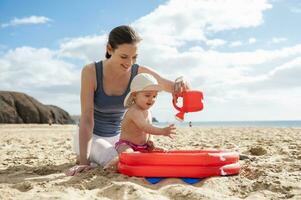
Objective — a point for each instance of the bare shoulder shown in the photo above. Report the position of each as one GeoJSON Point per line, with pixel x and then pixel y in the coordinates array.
{"type": "Point", "coordinates": [88, 69]}
{"type": "Point", "coordinates": [88, 77]}
{"type": "Point", "coordinates": [133, 112]}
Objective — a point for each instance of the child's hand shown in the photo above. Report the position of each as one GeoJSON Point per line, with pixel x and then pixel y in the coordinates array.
{"type": "Point", "coordinates": [152, 148]}
{"type": "Point", "coordinates": [150, 145]}
{"type": "Point", "coordinates": [169, 130]}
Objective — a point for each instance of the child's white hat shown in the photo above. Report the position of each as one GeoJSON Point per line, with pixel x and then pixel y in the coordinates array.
{"type": "Point", "coordinates": [141, 82]}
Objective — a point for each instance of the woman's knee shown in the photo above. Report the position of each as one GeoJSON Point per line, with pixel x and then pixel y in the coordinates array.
{"type": "Point", "coordinates": [102, 152]}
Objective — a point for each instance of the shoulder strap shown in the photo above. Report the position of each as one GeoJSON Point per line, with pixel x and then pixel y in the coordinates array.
{"type": "Point", "coordinates": [98, 71]}
{"type": "Point", "coordinates": [134, 71]}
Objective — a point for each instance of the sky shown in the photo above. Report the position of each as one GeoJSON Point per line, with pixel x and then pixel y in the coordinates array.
{"type": "Point", "coordinates": [244, 55]}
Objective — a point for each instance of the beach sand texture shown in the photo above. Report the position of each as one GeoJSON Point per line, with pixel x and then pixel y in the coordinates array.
{"type": "Point", "coordinates": [34, 158]}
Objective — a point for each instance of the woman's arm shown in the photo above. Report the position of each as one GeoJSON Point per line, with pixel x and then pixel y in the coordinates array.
{"type": "Point", "coordinates": [166, 85]}
{"type": "Point", "coordinates": [174, 87]}
{"type": "Point", "coordinates": [88, 85]}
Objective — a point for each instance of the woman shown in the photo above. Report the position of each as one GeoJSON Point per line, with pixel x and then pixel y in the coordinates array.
{"type": "Point", "coordinates": [104, 86]}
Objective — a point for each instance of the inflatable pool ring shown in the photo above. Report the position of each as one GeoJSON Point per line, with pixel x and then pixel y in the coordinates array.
{"type": "Point", "coordinates": [180, 163]}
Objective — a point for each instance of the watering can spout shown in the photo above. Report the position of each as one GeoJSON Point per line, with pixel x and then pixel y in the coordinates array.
{"type": "Point", "coordinates": [180, 116]}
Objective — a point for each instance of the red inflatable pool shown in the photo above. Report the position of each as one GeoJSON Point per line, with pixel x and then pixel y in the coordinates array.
{"type": "Point", "coordinates": [180, 163]}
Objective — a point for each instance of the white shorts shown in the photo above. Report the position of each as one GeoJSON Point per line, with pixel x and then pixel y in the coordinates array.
{"type": "Point", "coordinates": [102, 148]}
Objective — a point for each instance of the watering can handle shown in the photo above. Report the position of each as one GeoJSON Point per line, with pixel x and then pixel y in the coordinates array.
{"type": "Point", "coordinates": [174, 102]}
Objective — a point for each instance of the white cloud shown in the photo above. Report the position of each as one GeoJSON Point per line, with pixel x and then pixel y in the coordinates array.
{"type": "Point", "coordinates": [286, 76]}
{"type": "Point", "coordinates": [178, 22]}
{"type": "Point", "coordinates": [37, 68]}
{"type": "Point", "coordinates": [252, 40]}
{"type": "Point", "coordinates": [296, 9]}
{"type": "Point", "coordinates": [277, 40]}
{"type": "Point", "coordinates": [38, 71]}
{"type": "Point", "coordinates": [215, 43]}
{"type": "Point", "coordinates": [235, 44]}
{"type": "Point", "coordinates": [27, 20]}
{"type": "Point", "coordinates": [88, 48]}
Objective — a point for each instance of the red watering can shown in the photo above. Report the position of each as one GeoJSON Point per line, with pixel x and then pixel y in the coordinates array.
{"type": "Point", "coordinates": [192, 102]}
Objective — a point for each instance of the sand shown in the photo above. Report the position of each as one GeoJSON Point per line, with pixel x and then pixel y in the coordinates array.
{"type": "Point", "coordinates": [34, 158]}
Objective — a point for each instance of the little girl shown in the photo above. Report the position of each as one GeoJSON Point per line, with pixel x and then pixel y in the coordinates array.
{"type": "Point", "coordinates": [136, 126]}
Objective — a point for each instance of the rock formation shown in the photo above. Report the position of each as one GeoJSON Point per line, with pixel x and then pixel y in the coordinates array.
{"type": "Point", "coordinates": [16, 107]}
{"type": "Point", "coordinates": [154, 120]}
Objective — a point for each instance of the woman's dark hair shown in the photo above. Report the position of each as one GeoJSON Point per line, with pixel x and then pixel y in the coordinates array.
{"type": "Point", "coordinates": [122, 35]}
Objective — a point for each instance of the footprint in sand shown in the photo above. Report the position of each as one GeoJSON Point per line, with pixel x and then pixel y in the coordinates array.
{"type": "Point", "coordinates": [46, 170]}
{"type": "Point", "coordinates": [258, 151]}
{"type": "Point", "coordinates": [23, 187]}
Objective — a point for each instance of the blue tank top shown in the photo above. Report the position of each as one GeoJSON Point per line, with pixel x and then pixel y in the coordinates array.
{"type": "Point", "coordinates": [108, 110]}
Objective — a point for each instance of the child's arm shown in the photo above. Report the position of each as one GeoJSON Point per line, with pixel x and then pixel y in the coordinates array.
{"type": "Point", "coordinates": [141, 121]}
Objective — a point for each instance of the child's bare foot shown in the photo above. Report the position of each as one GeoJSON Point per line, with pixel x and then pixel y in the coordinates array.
{"type": "Point", "coordinates": [159, 149]}
{"type": "Point", "coordinates": [112, 165]}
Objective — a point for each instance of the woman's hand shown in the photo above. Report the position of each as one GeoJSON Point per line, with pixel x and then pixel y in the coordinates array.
{"type": "Point", "coordinates": [73, 171]}
{"type": "Point", "coordinates": [180, 85]}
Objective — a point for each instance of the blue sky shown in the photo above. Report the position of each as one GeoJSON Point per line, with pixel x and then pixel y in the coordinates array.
{"type": "Point", "coordinates": [246, 59]}
{"type": "Point", "coordinates": [69, 18]}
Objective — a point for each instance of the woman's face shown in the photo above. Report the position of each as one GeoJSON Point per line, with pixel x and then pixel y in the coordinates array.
{"type": "Point", "coordinates": [124, 55]}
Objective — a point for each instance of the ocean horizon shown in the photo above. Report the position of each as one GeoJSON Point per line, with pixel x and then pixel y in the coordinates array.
{"type": "Point", "coordinates": [253, 123]}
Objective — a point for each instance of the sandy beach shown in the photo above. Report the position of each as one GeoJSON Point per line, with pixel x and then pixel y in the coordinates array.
{"type": "Point", "coordinates": [35, 157]}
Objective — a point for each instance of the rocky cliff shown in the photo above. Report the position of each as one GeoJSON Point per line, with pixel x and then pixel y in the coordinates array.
{"type": "Point", "coordinates": [16, 107]}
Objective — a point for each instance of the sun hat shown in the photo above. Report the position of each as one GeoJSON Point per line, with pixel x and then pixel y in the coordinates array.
{"type": "Point", "coordinates": [141, 82]}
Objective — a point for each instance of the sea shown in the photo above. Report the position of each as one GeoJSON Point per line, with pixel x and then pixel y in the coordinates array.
{"type": "Point", "coordinates": [262, 124]}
